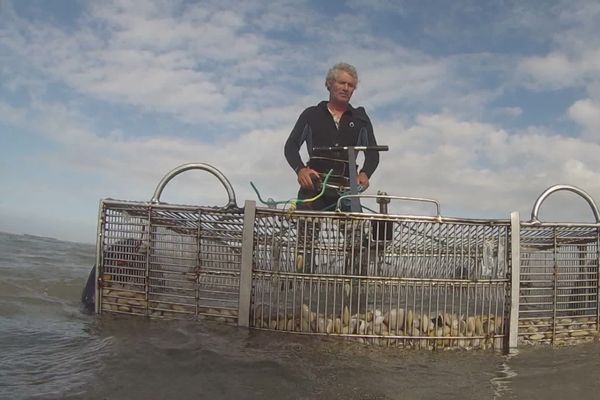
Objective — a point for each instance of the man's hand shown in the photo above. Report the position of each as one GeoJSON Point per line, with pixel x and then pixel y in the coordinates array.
{"type": "Point", "coordinates": [305, 178]}
{"type": "Point", "coordinates": [363, 180]}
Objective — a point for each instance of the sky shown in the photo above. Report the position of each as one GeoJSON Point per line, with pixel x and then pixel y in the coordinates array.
{"type": "Point", "coordinates": [483, 104]}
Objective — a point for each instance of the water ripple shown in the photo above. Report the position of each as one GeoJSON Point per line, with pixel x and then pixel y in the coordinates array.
{"type": "Point", "coordinates": [48, 359]}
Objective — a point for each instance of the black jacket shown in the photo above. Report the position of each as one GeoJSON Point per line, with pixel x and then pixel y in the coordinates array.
{"type": "Point", "coordinates": [316, 127]}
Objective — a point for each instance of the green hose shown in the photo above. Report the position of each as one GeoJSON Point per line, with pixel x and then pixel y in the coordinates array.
{"type": "Point", "coordinates": [272, 203]}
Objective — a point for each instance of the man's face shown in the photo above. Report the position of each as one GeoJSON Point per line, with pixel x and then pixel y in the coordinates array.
{"type": "Point", "coordinates": [342, 88]}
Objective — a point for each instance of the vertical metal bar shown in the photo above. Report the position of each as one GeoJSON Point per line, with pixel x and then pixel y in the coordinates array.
{"type": "Point", "coordinates": [555, 281]}
{"type": "Point", "coordinates": [310, 281]}
{"type": "Point", "coordinates": [199, 256]}
{"type": "Point", "coordinates": [334, 311]}
{"type": "Point", "coordinates": [405, 322]}
{"type": "Point", "coordinates": [378, 243]}
{"type": "Point", "coordinates": [581, 298]}
{"type": "Point", "coordinates": [397, 329]}
{"type": "Point", "coordinates": [434, 246]}
{"type": "Point", "coordinates": [455, 255]}
{"type": "Point", "coordinates": [440, 240]}
{"type": "Point", "coordinates": [313, 248]}
{"type": "Point", "coordinates": [285, 300]}
{"type": "Point", "coordinates": [294, 296]}
{"type": "Point", "coordinates": [147, 272]}
{"type": "Point", "coordinates": [302, 301]}
{"type": "Point", "coordinates": [307, 254]}
{"type": "Point", "coordinates": [515, 273]}
{"type": "Point", "coordinates": [429, 316]}
{"type": "Point", "coordinates": [246, 264]}
{"type": "Point", "coordinates": [338, 235]}
{"type": "Point", "coordinates": [354, 202]}
{"type": "Point", "coordinates": [318, 290]}
{"type": "Point", "coordinates": [326, 241]}
{"type": "Point", "coordinates": [298, 267]}
{"type": "Point", "coordinates": [99, 255]}
{"type": "Point", "coordinates": [421, 308]}
{"type": "Point", "coordinates": [276, 278]}
{"type": "Point", "coordinates": [597, 267]}
{"type": "Point", "coordinates": [263, 287]}
{"type": "Point", "coordinates": [401, 227]}
{"type": "Point", "coordinates": [420, 239]}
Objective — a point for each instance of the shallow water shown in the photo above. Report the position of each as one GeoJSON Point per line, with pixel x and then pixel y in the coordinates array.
{"type": "Point", "coordinates": [51, 350]}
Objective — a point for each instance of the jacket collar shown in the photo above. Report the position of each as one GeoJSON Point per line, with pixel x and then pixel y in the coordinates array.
{"type": "Point", "coordinates": [323, 105]}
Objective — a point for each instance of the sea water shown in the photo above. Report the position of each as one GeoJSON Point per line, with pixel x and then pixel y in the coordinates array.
{"type": "Point", "coordinates": [50, 349]}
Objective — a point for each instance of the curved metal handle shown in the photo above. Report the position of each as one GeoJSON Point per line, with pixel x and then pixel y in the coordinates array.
{"type": "Point", "coordinates": [556, 188]}
{"type": "Point", "coordinates": [201, 166]}
{"type": "Point", "coordinates": [379, 196]}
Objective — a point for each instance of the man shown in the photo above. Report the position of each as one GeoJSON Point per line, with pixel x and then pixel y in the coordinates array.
{"type": "Point", "coordinates": [331, 123]}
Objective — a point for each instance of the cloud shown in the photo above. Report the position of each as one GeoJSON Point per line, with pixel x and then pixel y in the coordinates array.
{"type": "Point", "coordinates": [11, 115]}
{"type": "Point", "coordinates": [573, 59]}
{"type": "Point", "coordinates": [212, 65]}
{"type": "Point", "coordinates": [184, 82]}
{"type": "Point", "coordinates": [587, 114]}
{"type": "Point", "coordinates": [558, 70]}
{"type": "Point", "coordinates": [159, 57]}
{"type": "Point", "coordinates": [474, 169]}
{"type": "Point", "coordinates": [477, 169]}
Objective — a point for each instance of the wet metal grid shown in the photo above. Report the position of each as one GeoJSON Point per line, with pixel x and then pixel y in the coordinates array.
{"type": "Point", "coordinates": [407, 281]}
{"type": "Point", "coordinates": [559, 282]}
{"type": "Point", "coordinates": [166, 261]}
{"type": "Point", "coordinates": [330, 243]}
{"type": "Point", "coordinates": [395, 281]}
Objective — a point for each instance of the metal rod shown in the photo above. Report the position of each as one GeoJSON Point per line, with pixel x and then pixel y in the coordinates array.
{"type": "Point", "coordinates": [246, 264]}
{"type": "Point", "coordinates": [200, 166]}
{"type": "Point", "coordinates": [515, 284]}
{"type": "Point", "coordinates": [555, 188]}
{"type": "Point", "coordinates": [354, 202]}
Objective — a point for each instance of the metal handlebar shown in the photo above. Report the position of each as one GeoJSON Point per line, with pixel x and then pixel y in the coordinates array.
{"type": "Point", "coordinates": [379, 196]}
{"type": "Point", "coordinates": [357, 148]}
{"type": "Point", "coordinates": [556, 188]}
{"type": "Point", "coordinates": [354, 203]}
{"type": "Point", "coordinates": [201, 166]}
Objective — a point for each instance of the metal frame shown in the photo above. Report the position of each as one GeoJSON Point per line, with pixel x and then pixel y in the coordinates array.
{"type": "Point", "coordinates": [559, 277]}
{"type": "Point", "coordinates": [341, 257]}
{"type": "Point", "coordinates": [396, 280]}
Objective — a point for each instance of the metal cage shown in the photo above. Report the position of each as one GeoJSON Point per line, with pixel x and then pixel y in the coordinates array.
{"type": "Point", "coordinates": [408, 281]}
{"type": "Point", "coordinates": [559, 277]}
{"type": "Point", "coordinates": [162, 260]}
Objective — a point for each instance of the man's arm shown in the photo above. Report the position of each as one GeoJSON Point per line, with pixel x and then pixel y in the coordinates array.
{"type": "Point", "coordinates": [294, 142]}
{"type": "Point", "coordinates": [371, 156]}
{"type": "Point", "coordinates": [292, 153]}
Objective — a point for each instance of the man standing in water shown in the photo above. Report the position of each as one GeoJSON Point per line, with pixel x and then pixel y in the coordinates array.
{"type": "Point", "coordinates": [331, 123]}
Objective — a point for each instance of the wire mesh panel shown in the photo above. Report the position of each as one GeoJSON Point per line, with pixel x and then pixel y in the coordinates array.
{"type": "Point", "coordinates": [220, 243]}
{"type": "Point", "coordinates": [384, 279]}
{"type": "Point", "coordinates": [332, 243]}
{"type": "Point", "coordinates": [559, 283]}
{"type": "Point", "coordinates": [404, 281]}
{"type": "Point", "coordinates": [169, 261]}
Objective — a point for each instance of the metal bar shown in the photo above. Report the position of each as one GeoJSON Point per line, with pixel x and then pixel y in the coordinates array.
{"type": "Point", "coordinates": [515, 284]}
{"type": "Point", "coordinates": [201, 166]}
{"type": "Point", "coordinates": [354, 202]}
{"type": "Point", "coordinates": [246, 264]}
{"type": "Point", "coordinates": [552, 189]}
{"type": "Point", "coordinates": [597, 267]}
{"type": "Point", "coordinates": [359, 148]}
{"type": "Point", "coordinates": [99, 258]}
{"type": "Point", "coordinates": [555, 283]}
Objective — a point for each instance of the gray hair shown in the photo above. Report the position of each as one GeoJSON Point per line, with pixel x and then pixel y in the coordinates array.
{"type": "Point", "coordinates": [343, 67]}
